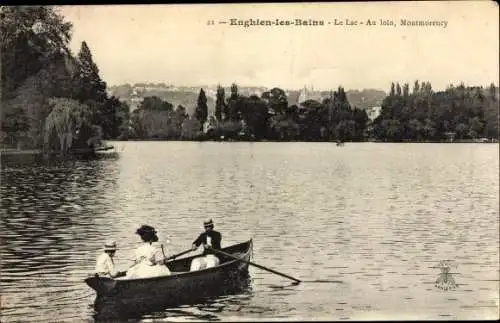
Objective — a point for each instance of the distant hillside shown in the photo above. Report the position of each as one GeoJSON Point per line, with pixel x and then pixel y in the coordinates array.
{"type": "Point", "coordinates": [184, 98]}
{"type": "Point", "coordinates": [121, 91]}
{"type": "Point", "coordinates": [187, 96]}
{"type": "Point", "coordinates": [365, 98]}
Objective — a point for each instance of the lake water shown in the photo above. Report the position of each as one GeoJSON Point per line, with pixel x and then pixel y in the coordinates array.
{"type": "Point", "coordinates": [373, 220]}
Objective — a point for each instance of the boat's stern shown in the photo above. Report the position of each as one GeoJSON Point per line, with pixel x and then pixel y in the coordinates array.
{"type": "Point", "coordinates": [102, 285]}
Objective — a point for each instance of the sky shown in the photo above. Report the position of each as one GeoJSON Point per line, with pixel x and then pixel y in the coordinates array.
{"type": "Point", "coordinates": [175, 44]}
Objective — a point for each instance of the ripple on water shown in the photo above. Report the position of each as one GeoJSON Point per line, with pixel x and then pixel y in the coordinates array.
{"type": "Point", "coordinates": [314, 213]}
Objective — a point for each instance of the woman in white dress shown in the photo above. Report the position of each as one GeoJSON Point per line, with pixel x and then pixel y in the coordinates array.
{"type": "Point", "coordinates": [149, 258]}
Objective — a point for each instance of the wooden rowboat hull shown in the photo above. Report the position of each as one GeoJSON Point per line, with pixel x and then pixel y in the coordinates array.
{"type": "Point", "coordinates": [179, 288]}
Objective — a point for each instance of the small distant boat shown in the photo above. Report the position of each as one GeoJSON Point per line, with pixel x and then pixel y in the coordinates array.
{"type": "Point", "coordinates": [179, 287]}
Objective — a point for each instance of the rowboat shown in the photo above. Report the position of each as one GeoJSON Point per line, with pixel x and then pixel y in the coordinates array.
{"type": "Point", "coordinates": [182, 286]}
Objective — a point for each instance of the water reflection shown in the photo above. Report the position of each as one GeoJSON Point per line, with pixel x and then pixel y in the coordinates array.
{"type": "Point", "coordinates": [48, 210]}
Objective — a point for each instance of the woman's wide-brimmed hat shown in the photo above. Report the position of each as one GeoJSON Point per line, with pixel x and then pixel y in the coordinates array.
{"type": "Point", "coordinates": [145, 229]}
{"type": "Point", "coordinates": [208, 224]}
{"type": "Point", "coordinates": [110, 246]}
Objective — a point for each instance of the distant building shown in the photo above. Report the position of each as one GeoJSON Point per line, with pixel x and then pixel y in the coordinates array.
{"type": "Point", "coordinates": [210, 124]}
{"type": "Point", "coordinates": [211, 93]}
{"type": "Point", "coordinates": [134, 102]}
{"type": "Point", "coordinates": [373, 112]}
{"type": "Point", "coordinates": [450, 135]}
{"type": "Point", "coordinates": [309, 94]}
{"type": "Point", "coordinates": [292, 97]}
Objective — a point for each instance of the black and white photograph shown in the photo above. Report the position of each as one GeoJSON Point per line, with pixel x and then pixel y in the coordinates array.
{"type": "Point", "coordinates": [250, 162]}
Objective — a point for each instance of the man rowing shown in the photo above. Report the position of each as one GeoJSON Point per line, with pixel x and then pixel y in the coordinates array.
{"type": "Point", "coordinates": [209, 238]}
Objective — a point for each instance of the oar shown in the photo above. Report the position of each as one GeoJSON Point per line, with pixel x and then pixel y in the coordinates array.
{"type": "Point", "coordinates": [297, 281]}
{"type": "Point", "coordinates": [177, 255]}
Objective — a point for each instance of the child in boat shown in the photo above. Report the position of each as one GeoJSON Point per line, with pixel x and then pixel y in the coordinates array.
{"type": "Point", "coordinates": [149, 259]}
{"type": "Point", "coordinates": [210, 238]}
{"type": "Point", "coordinates": [105, 267]}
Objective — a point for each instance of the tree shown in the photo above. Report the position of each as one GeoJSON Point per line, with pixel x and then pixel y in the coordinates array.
{"type": "Point", "coordinates": [31, 38]}
{"type": "Point", "coordinates": [426, 88]}
{"type": "Point", "coordinates": [91, 86]}
{"type": "Point", "coordinates": [429, 129]}
{"type": "Point", "coordinates": [90, 89]}
{"type": "Point", "coordinates": [406, 90]}
{"type": "Point", "coordinates": [461, 129]}
{"type": "Point", "coordinates": [137, 127]}
{"type": "Point", "coordinates": [393, 130]}
{"type": "Point", "coordinates": [155, 103]}
{"type": "Point", "coordinates": [476, 127]}
{"type": "Point", "coordinates": [491, 112]}
{"type": "Point", "coordinates": [255, 115]}
{"type": "Point", "coordinates": [345, 129]}
{"type": "Point", "coordinates": [22, 116]}
{"type": "Point", "coordinates": [360, 119]}
{"type": "Point", "coordinates": [179, 116]}
{"type": "Point", "coordinates": [123, 122]}
{"type": "Point", "coordinates": [220, 103]}
{"type": "Point", "coordinates": [35, 65]}
{"type": "Point", "coordinates": [156, 119]}
{"type": "Point", "coordinates": [234, 91]}
{"type": "Point", "coordinates": [493, 92]}
{"type": "Point", "coordinates": [15, 122]}
{"type": "Point", "coordinates": [278, 100]}
{"type": "Point", "coordinates": [393, 89]}
{"type": "Point", "coordinates": [115, 116]}
{"type": "Point", "coordinates": [190, 129]}
{"type": "Point", "coordinates": [65, 120]}
{"type": "Point", "coordinates": [311, 120]}
{"type": "Point", "coordinates": [340, 111]}
{"type": "Point", "coordinates": [233, 111]}
{"type": "Point", "coordinates": [416, 88]}
{"type": "Point", "coordinates": [398, 89]}
{"type": "Point", "coordinates": [414, 129]}
{"type": "Point", "coordinates": [201, 112]}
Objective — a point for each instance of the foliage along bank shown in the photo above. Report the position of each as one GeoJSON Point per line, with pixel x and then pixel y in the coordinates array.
{"type": "Point", "coordinates": [459, 112]}
{"type": "Point", "coordinates": [55, 100]}
{"type": "Point", "coordinates": [239, 117]}
{"type": "Point", "coordinates": [51, 99]}
{"type": "Point", "coordinates": [422, 115]}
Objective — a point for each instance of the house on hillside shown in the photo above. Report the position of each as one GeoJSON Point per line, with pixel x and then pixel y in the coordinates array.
{"type": "Point", "coordinates": [292, 97]}
{"type": "Point", "coordinates": [134, 102]}
{"type": "Point", "coordinates": [373, 112]}
{"type": "Point", "coordinates": [309, 94]}
{"type": "Point", "coordinates": [210, 124]}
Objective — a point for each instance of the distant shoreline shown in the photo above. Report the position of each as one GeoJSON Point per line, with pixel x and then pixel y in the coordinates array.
{"type": "Point", "coordinates": [14, 151]}
{"type": "Point", "coordinates": [472, 141]}
{"type": "Point", "coordinates": [4, 151]}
